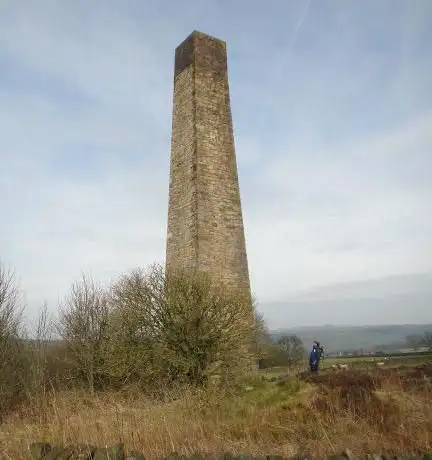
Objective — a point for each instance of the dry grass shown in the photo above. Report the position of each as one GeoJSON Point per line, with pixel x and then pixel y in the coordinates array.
{"type": "Point", "coordinates": [364, 412]}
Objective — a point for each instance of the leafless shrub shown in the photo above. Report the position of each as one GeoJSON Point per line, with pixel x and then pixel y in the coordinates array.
{"type": "Point", "coordinates": [83, 322]}
{"type": "Point", "coordinates": [10, 309]}
{"type": "Point", "coordinates": [39, 350]}
{"type": "Point", "coordinates": [261, 338]}
{"type": "Point", "coordinates": [13, 370]}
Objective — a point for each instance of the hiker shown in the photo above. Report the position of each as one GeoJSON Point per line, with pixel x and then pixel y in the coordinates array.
{"type": "Point", "coordinates": [321, 350]}
{"type": "Point", "coordinates": [315, 356]}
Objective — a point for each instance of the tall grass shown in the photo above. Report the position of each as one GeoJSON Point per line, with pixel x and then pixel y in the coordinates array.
{"type": "Point", "coordinates": [257, 416]}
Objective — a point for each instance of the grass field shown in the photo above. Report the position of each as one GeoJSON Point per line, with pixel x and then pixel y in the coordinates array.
{"type": "Point", "coordinates": [364, 409]}
{"type": "Point", "coordinates": [413, 359]}
{"type": "Point", "coordinates": [356, 362]}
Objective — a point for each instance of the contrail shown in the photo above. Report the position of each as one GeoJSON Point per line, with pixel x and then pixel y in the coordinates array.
{"type": "Point", "coordinates": [299, 25]}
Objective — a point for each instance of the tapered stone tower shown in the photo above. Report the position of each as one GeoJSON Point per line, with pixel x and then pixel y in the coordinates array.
{"type": "Point", "coordinates": [205, 223]}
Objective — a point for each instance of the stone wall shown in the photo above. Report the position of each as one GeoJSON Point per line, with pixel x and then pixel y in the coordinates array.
{"type": "Point", "coordinates": [44, 451]}
{"type": "Point", "coordinates": [205, 223]}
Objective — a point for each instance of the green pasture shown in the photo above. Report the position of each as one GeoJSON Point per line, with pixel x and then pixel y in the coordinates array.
{"type": "Point", "coordinates": [413, 359]}
{"type": "Point", "coordinates": [357, 362]}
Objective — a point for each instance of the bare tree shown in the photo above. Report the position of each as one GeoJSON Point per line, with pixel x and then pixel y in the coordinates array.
{"type": "Point", "coordinates": [83, 321]}
{"type": "Point", "coordinates": [285, 351]}
{"type": "Point", "coordinates": [10, 309]}
{"type": "Point", "coordinates": [292, 348]}
{"type": "Point", "coordinates": [42, 337]}
{"type": "Point", "coordinates": [262, 340]}
{"type": "Point", "coordinates": [12, 364]}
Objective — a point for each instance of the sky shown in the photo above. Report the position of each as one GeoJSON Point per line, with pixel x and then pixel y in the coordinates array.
{"type": "Point", "coordinates": [332, 112]}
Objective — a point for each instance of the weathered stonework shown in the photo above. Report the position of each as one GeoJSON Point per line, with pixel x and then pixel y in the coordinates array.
{"type": "Point", "coordinates": [205, 223]}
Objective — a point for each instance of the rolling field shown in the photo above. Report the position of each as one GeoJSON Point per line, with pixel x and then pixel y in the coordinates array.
{"type": "Point", "coordinates": [354, 362]}
{"type": "Point", "coordinates": [413, 359]}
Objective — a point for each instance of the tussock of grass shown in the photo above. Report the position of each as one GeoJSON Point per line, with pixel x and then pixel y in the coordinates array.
{"type": "Point", "coordinates": [362, 412]}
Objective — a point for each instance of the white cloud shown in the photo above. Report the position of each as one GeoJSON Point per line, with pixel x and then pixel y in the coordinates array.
{"type": "Point", "coordinates": [334, 159]}
{"type": "Point", "coordinates": [346, 214]}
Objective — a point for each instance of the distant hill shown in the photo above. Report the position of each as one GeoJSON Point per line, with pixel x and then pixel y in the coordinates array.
{"type": "Point", "coordinates": [401, 299]}
{"type": "Point", "coordinates": [362, 314]}
{"type": "Point", "coordinates": [344, 338]}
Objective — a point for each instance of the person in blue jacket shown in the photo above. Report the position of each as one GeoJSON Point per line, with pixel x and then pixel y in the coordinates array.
{"type": "Point", "coordinates": [315, 356]}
